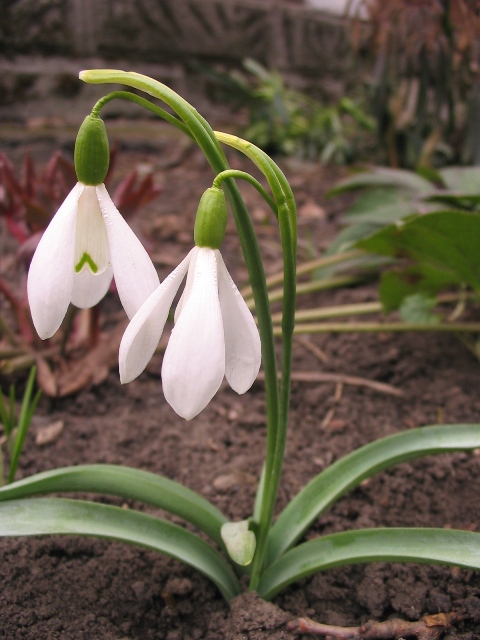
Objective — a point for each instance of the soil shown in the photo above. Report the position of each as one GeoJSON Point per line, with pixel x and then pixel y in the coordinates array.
{"type": "Point", "coordinates": [81, 588]}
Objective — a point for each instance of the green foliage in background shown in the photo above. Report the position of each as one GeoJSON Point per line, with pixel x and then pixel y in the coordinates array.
{"type": "Point", "coordinates": [287, 122]}
{"type": "Point", "coordinates": [15, 430]}
{"type": "Point", "coordinates": [426, 226]}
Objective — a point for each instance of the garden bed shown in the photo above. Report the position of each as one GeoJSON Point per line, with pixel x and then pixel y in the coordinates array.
{"type": "Point", "coordinates": [80, 588]}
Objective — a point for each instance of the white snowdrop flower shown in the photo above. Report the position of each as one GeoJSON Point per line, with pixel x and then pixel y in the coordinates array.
{"type": "Point", "coordinates": [86, 244]}
{"type": "Point", "coordinates": [214, 335]}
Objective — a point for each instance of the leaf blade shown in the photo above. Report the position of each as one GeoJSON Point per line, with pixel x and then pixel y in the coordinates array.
{"type": "Point", "coordinates": [436, 546]}
{"type": "Point", "coordinates": [60, 516]}
{"type": "Point", "coordinates": [128, 483]}
{"type": "Point", "coordinates": [384, 177]}
{"type": "Point", "coordinates": [349, 471]}
{"type": "Point", "coordinates": [443, 239]}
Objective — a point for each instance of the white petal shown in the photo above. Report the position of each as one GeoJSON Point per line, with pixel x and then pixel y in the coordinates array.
{"type": "Point", "coordinates": [142, 335]}
{"type": "Point", "coordinates": [89, 288]}
{"type": "Point", "coordinates": [133, 270]}
{"type": "Point", "coordinates": [242, 340]}
{"type": "Point", "coordinates": [194, 362]}
{"type": "Point", "coordinates": [91, 240]}
{"type": "Point", "coordinates": [188, 284]}
{"type": "Point", "coordinates": [50, 278]}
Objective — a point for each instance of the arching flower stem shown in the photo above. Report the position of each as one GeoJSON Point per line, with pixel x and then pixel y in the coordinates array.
{"type": "Point", "coordinates": [146, 104]}
{"type": "Point", "coordinates": [276, 439]}
{"type": "Point", "coordinates": [243, 175]}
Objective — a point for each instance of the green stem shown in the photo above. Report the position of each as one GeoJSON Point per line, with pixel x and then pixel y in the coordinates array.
{"type": "Point", "coordinates": [243, 175]}
{"type": "Point", "coordinates": [332, 312]}
{"type": "Point", "coordinates": [308, 267]}
{"type": "Point", "coordinates": [383, 327]}
{"type": "Point", "coordinates": [277, 182]}
{"type": "Point", "coordinates": [315, 285]}
{"type": "Point", "coordinates": [276, 436]}
{"type": "Point", "coordinates": [132, 97]}
{"type": "Point", "coordinates": [354, 309]}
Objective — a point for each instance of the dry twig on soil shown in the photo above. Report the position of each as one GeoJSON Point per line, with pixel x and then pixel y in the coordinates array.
{"type": "Point", "coordinates": [427, 628]}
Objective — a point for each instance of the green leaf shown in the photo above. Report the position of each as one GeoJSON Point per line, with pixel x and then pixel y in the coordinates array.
{"type": "Point", "coordinates": [345, 241]}
{"type": "Point", "coordinates": [465, 180]}
{"type": "Point", "coordinates": [463, 201]}
{"type": "Point", "coordinates": [448, 240]}
{"type": "Point", "coordinates": [26, 413]}
{"type": "Point", "coordinates": [430, 174]}
{"type": "Point", "coordinates": [352, 469]}
{"type": "Point", "coordinates": [128, 483]}
{"type": "Point", "coordinates": [381, 206]}
{"type": "Point", "coordinates": [58, 516]}
{"type": "Point", "coordinates": [350, 236]}
{"type": "Point", "coordinates": [418, 309]}
{"type": "Point", "coordinates": [381, 177]}
{"type": "Point", "coordinates": [426, 546]}
{"type": "Point", "coordinates": [395, 286]}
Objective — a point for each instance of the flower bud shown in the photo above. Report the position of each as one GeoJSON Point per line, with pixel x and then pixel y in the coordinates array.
{"type": "Point", "coordinates": [92, 155]}
{"type": "Point", "coordinates": [211, 220]}
{"type": "Point", "coordinates": [240, 542]}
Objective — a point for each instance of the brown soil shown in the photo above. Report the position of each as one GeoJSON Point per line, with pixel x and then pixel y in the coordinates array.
{"type": "Point", "coordinates": [79, 588]}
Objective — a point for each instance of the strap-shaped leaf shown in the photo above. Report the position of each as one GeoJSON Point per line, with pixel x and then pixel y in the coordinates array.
{"type": "Point", "coordinates": [426, 546]}
{"type": "Point", "coordinates": [59, 516]}
{"type": "Point", "coordinates": [126, 482]}
{"type": "Point", "coordinates": [384, 177]}
{"type": "Point", "coordinates": [349, 471]}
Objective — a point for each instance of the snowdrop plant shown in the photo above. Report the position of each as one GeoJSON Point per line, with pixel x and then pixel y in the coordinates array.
{"type": "Point", "coordinates": [270, 552]}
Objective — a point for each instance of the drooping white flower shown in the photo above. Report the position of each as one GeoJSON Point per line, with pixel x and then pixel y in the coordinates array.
{"type": "Point", "coordinates": [86, 244]}
{"type": "Point", "coordinates": [214, 335]}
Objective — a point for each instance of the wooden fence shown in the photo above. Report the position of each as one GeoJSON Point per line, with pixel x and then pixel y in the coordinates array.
{"type": "Point", "coordinates": [45, 38]}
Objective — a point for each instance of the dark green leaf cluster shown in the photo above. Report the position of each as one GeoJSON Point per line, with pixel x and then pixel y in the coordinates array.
{"type": "Point", "coordinates": [427, 227]}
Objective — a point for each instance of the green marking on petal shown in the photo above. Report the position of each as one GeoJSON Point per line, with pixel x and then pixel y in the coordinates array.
{"type": "Point", "coordinates": [86, 259]}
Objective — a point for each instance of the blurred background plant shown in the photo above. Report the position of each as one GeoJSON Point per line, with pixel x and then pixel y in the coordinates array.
{"type": "Point", "coordinates": [417, 238]}
{"type": "Point", "coordinates": [414, 227]}
{"type": "Point", "coordinates": [284, 121]}
{"type": "Point", "coordinates": [420, 93]}
{"type": "Point", "coordinates": [428, 229]}
{"type": "Point", "coordinates": [27, 204]}
{"type": "Point", "coordinates": [425, 84]}
{"type": "Point", "coordinates": [15, 427]}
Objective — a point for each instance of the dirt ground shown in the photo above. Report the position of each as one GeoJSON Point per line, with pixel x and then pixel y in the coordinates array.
{"type": "Point", "coordinates": [69, 588]}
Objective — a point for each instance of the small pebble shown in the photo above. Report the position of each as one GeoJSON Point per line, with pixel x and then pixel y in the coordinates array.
{"type": "Point", "coordinates": [49, 434]}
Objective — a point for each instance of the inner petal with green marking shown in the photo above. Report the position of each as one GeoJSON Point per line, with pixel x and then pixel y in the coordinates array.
{"type": "Point", "coordinates": [86, 261]}
{"type": "Point", "coordinates": [91, 241]}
